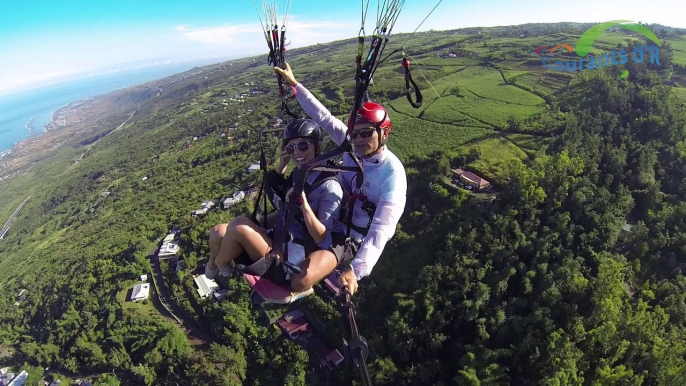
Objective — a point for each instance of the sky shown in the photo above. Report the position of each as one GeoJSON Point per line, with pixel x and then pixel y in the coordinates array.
{"type": "Point", "coordinates": [49, 41]}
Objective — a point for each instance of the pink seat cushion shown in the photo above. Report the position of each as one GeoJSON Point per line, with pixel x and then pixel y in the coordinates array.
{"type": "Point", "coordinates": [270, 292]}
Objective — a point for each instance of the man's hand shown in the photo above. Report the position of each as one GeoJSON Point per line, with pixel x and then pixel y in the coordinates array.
{"type": "Point", "coordinates": [287, 75]}
{"type": "Point", "coordinates": [348, 279]}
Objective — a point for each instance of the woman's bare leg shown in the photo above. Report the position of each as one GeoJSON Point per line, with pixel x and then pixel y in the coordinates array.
{"type": "Point", "coordinates": [216, 235]}
{"type": "Point", "coordinates": [242, 235]}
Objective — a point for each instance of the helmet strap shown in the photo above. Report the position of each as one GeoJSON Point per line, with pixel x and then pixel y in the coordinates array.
{"type": "Point", "coordinates": [382, 143]}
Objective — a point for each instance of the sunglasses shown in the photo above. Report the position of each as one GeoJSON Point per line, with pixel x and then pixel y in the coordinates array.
{"type": "Point", "coordinates": [364, 133]}
{"type": "Point", "coordinates": [302, 146]}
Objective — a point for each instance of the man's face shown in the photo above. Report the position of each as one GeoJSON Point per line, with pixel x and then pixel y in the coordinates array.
{"type": "Point", "coordinates": [366, 139]}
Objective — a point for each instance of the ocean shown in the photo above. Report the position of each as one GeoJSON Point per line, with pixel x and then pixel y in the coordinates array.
{"type": "Point", "coordinates": [25, 114]}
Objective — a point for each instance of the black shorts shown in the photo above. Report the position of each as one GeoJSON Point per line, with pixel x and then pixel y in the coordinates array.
{"type": "Point", "coordinates": [275, 273]}
{"type": "Point", "coordinates": [343, 248]}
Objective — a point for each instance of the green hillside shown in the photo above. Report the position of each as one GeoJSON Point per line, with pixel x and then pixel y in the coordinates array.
{"type": "Point", "coordinates": [531, 283]}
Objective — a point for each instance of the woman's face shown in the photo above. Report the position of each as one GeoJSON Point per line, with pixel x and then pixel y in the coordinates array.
{"type": "Point", "coordinates": [301, 150]}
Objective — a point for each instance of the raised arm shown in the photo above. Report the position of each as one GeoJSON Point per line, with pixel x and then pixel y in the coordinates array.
{"type": "Point", "coordinates": [320, 114]}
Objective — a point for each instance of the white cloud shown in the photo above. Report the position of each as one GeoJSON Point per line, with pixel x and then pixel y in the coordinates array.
{"type": "Point", "coordinates": [300, 31]}
{"type": "Point", "coordinates": [21, 80]}
{"type": "Point", "coordinates": [223, 34]}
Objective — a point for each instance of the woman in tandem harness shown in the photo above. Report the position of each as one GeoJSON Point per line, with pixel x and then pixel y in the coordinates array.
{"type": "Point", "coordinates": [320, 205]}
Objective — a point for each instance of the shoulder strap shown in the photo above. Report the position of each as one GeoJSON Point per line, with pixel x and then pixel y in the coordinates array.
{"type": "Point", "coordinates": [321, 178]}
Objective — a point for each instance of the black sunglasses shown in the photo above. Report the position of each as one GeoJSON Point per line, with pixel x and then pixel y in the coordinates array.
{"type": "Point", "coordinates": [364, 133]}
{"type": "Point", "coordinates": [302, 146]}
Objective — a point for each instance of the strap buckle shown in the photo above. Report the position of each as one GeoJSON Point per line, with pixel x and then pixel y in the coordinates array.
{"type": "Point", "coordinates": [357, 194]}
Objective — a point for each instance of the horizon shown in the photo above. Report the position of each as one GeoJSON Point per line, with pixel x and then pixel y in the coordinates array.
{"type": "Point", "coordinates": [115, 35]}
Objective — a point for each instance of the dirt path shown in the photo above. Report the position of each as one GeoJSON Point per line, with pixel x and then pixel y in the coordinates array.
{"type": "Point", "coordinates": [164, 299]}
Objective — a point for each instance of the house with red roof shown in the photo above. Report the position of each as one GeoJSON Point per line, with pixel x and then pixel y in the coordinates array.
{"type": "Point", "coordinates": [469, 179]}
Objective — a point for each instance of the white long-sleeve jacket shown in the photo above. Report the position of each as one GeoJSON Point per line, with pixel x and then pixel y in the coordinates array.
{"type": "Point", "coordinates": [385, 185]}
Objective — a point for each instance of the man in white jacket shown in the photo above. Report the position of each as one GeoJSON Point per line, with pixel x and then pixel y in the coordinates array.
{"type": "Point", "coordinates": [381, 202]}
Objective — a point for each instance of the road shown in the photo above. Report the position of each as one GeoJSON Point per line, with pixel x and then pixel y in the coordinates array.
{"type": "Point", "coordinates": [195, 334]}
{"type": "Point", "coordinates": [74, 161]}
{"type": "Point", "coordinates": [6, 228]}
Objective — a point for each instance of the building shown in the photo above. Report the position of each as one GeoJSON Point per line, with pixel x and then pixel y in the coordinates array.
{"type": "Point", "coordinates": [140, 292]}
{"type": "Point", "coordinates": [174, 234]}
{"type": "Point", "coordinates": [299, 329]}
{"type": "Point", "coordinates": [6, 378]}
{"type": "Point", "coordinates": [144, 277]}
{"type": "Point", "coordinates": [254, 168]}
{"type": "Point", "coordinates": [20, 297]}
{"type": "Point", "coordinates": [294, 324]}
{"type": "Point", "coordinates": [205, 207]}
{"type": "Point", "coordinates": [234, 199]}
{"type": "Point", "coordinates": [626, 228]}
{"type": "Point", "coordinates": [206, 287]}
{"type": "Point", "coordinates": [19, 380]}
{"type": "Point", "coordinates": [470, 180]}
{"type": "Point", "coordinates": [169, 249]}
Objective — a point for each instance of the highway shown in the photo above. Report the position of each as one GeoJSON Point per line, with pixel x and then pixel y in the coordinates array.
{"type": "Point", "coordinates": [6, 228]}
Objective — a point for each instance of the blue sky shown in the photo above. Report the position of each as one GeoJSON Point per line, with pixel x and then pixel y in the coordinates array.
{"type": "Point", "coordinates": [43, 42]}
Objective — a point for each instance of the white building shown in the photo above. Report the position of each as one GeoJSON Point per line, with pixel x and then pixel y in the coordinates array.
{"type": "Point", "coordinates": [6, 378]}
{"type": "Point", "coordinates": [206, 287]}
{"type": "Point", "coordinates": [253, 168]}
{"type": "Point", "coordinates": [140, 292]}
{"type": "Point", "coordinates": [168, 248]}
{"type": "Point", "coordinates": [144, 277]}
{"type": "Point", "coordinates": [233, 200]}
{"type": "Point", "coordinates": [20, 379]}
{"type": "Point", "coordinates": [205, 207]}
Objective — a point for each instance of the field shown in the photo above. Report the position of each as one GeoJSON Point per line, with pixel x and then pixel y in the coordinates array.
{"type": "Point", "coordinates": [679, 49]}
{"type": "Point", "coordinates": [495, 154]}
{"type": "Point", "coordinates": [412, 136]}
{"type": "Point", "coordinates": [530, 144]}
{"type": "Point", "coordinates": [124, 296]}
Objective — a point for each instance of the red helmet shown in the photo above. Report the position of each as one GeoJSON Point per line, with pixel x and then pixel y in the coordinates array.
{"type": "Point", "coordinates": [373, 113]}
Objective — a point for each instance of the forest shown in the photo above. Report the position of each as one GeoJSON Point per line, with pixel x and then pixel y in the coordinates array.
{"type": "Point", "coordinates": [538, 283]}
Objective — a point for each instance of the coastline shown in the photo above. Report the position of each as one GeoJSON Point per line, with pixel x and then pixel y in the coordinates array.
{"type": "Point", "coordinates": [27, 126]}
{"type": "Point", "coordinates": [86, 91]}
{"type": "Point", "coordinates": [32, 135]}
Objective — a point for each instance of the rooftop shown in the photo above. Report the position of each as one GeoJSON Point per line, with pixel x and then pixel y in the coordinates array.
{"type": "Point", "coordinates": [205, 286]}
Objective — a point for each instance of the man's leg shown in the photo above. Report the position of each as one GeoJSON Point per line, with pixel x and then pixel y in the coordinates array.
{"type": "Point", "coordinates": [315, 268]}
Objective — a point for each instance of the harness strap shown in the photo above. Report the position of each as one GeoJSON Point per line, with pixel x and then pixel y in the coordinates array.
{"type": "Point", "coordinates": [307, 240]}
{"type": "Point", "coordinates": [408, 81]}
